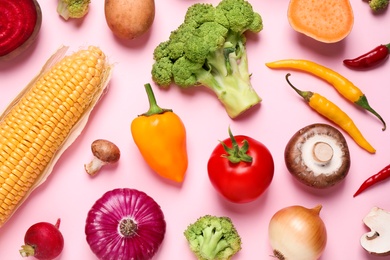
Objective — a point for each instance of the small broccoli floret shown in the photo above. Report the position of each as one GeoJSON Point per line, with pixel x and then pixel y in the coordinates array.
{"type": "Point", "coordinates": [378, 5]}
{"type": "Point", "coordinates": [209, 49]}
{"type": "Point", "coordinates": [213, 238]}
{"type": "Point", "coordinates": [73, 8]}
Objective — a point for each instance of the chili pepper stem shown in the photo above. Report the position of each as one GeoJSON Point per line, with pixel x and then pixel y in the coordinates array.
{"type": "Point", "coordinates": [237, 154]}
{"type": "Point", "coordinates": [305, 94]}
{"type": "Point", "coordinates": [153, 107]}
{"type": "Point", "coordinates": [363, 103]}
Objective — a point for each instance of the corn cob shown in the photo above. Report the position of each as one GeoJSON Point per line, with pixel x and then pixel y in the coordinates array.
{"type": "Point", "coordinates": [40, 123]}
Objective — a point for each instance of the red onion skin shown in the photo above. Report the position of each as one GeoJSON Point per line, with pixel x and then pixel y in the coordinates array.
{"type": "Point", "coordinates": [103, 220]}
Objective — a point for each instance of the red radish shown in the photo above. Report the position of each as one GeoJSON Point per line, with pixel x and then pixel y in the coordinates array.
{"type": "Point", "coordinates": [43, 240]}
{"type": "Point", "coordinates": [20, 23]}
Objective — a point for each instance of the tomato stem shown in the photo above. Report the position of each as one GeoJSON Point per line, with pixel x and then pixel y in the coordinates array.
{"type": "Point", "coordinates": [237, 154]}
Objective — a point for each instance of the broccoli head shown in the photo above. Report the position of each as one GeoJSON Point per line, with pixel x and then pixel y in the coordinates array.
{"type": "Point", "coordinates": [213, 238]}
{"type": "Point", "coordinates": [377, 5]}
{"type": "Point", "coordinates": [209, 49]}
{"type": "Point", "coordinates": [73, 8]}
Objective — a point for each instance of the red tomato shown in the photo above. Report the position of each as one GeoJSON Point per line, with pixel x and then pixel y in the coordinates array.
{"type": "Point", "coordinates": [241, 181]}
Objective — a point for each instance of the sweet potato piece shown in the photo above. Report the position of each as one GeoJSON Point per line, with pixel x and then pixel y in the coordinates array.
{"type": "Point", "coordinates": [325, 21]}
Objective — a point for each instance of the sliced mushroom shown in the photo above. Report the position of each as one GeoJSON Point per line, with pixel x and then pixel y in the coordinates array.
{"type": "Point", "coordinates": [377, 241]}
{"type": "Point", "coordinates": [105, 152]}
{"type": "Point", "coordinates": [318, 156]}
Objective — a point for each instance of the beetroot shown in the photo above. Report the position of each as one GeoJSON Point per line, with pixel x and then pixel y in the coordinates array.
{"type": "Point", "coordinates": [20, 23]}
{"type": "Point", "coordinates": [43, 240]}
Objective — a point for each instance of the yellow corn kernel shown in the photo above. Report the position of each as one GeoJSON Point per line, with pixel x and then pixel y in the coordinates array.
{"type": "Point", "coordinates": [38, 124]}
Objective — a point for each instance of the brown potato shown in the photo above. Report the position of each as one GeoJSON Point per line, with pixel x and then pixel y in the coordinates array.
{"type": "Point", "coordinates": [129, 19]}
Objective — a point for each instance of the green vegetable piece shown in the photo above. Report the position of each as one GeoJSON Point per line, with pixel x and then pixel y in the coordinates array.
{"type": "Point", "coordinates": [213, 238]}
{"type": "Point", "coordinates": [73, 8]}
{"type": "Point", "coordinates": [378, 5]}
{"type": "Point", "coordinates": [209, 49]}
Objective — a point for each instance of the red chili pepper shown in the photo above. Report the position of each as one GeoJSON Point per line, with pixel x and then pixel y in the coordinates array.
{"type": "Point", "coordinates": [369, 59]}
{"type": "Point", "coordinates": [380, 176]}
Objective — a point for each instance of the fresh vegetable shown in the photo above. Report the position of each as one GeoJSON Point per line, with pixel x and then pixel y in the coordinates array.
{"type": "Point", "coordinates": [20, 25]}
{"type": "Point", "coordinates": [160, 136]}
{"type": "Point", "coordinates": [378, 5]}
{"type": "Point", "coordinates": [129, 19]}
{"type": "Point", "coordinates": [374, 179]}
{"type": "Point", "coordinates": [209, 49]}
{"type": "Point", "coordinates": [240, 168]}
{"type": "Point", "coordinates": [45, 119]}
{"type": "Point", "coordinates": [369, 59]}
{"type": "Point", "coordinates": [376, 241]}
{"type": "Point", "coordinates": [213, 238]}
{"type": "Point", "coordinates": [344, 86]}
{"type": "Point", "coordinates": [104, 152]}
{"type": "Point", "coordinates": [125, 224]}
{"type": "Point", "coordinates": [296, 232]}
{"type": "Point", "coordinates": [73, 8]}
{"type": "Point", "coordinates": [43, 241]}
{"type": "Point", "coordinates": [325, 21]}
{"type": "Point", "coordinates": [318, 156]}
{"type": "Point", "coordinates": [332, 112]}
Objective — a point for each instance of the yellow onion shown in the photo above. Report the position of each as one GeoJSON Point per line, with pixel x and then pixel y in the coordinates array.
{"type": "Point", "coordinates": [297, 233]}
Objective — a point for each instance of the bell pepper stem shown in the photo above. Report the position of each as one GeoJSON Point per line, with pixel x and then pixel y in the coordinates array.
{"type": "Point", "coordinates": [237, 154]}
{"type": "Point", "coordinates": [153, 107]}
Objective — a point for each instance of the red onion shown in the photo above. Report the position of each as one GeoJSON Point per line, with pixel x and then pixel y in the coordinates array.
{"type": "Point", "coordinates": [125, 224]}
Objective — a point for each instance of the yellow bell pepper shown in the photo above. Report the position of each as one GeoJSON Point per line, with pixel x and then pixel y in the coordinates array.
{"type": "Point", "coordinates": [160, 136]}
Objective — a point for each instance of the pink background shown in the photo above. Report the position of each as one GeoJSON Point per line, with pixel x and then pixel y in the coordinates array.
{"type": "Point", "coordinates": [69, 192]}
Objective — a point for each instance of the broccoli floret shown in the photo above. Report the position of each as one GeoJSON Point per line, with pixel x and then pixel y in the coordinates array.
{"type": "Point", "coordinates": [377, 5]}
{"type": "Point", "coordinates": [209, 49]}
{"type": "Point", "coordinates": [213, 238]}
{"type": "Point", "coordinates": [73, 8]}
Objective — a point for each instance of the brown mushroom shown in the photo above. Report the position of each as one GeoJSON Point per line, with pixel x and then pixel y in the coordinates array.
{"type": "Point", "coordinates": [105, 152]}
{"type": "Point", "coordinates": [377, 240]}
{"type": "Point", "coordinates": [318, 156]}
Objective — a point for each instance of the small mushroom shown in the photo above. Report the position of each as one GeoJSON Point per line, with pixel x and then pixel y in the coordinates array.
{"type": "Point", "coordinates": [105, 152]}
{"type": "Point", "coordinates": [318, 156]}
{"type": "Point", "coordinates": [377, 241]}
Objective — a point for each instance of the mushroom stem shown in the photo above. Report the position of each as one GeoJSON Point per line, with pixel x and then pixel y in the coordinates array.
{"type": "Point", "coordinates": [322, 153]}
{"type": "Point", "coordinates": [94, 166]}
{"type": "Point", "coordinates": [372, 235]}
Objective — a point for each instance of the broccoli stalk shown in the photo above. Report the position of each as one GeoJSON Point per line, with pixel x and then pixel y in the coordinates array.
{"type": "Point", "coordinates": [212, 238]}
{"type": "Point", "coordinates": [209, 49]}
{"type": "Point", "coordinates": [378, 5]}
{"type": "Point", "coordinates": [73, 8]}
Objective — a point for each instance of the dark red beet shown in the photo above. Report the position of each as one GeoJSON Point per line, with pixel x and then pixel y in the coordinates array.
{"type": "Point", "coordinates": [20, 23]}
{"type": "Point", "coordinates": [43, 240]}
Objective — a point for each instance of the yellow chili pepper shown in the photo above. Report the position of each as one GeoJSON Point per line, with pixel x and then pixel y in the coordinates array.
{"type": "Point", "coordinates": [332, 112]}
{"type": "Point", "coordinates": [160, 136]}
{"type": "Point", "coordinates": [344, 86]}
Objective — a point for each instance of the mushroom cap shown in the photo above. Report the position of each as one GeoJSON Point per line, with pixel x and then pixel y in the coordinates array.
{"type": "Point", "coordinates": [302, 163]}
{"type": "Point", "coordinates": [105, 151]}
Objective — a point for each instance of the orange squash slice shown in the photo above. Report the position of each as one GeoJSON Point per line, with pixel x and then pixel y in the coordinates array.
{"type": "Point", "coordinates": [326, 21]}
